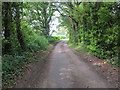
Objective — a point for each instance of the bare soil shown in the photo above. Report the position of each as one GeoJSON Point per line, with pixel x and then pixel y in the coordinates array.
{"type": "Point", "coordinates": [65, 68]}
{"type": "Point", "coordinates": [109, 72]}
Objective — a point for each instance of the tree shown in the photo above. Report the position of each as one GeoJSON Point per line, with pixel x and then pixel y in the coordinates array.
{"type": "Point", "coordinates": [7, 26]}
{"type": "Point", "coordinates": [94, 24]}
{"type": "Point", "coordinates": [40, 16]}
{"type": "Point", "coordinates": [18, 25]}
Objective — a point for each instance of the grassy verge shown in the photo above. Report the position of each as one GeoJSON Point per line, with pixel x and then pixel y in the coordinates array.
{"type": "Point", "coordinates": [15, 65]}
{"type": "Point", "coordinates": [93, 52]}
{"type": "Point", "coordinates": [52, 39]}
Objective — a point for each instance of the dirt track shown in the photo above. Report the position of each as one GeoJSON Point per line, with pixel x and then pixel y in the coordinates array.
{"type": "Point", "coordinates": [62, 69]}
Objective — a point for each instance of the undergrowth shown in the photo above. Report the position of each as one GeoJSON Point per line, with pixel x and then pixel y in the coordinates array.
{"type": "Point", "coordinates": [55, 38]}
{"type": "Point", "coordinates": [101, 54]}
{"type": "Point", "coordinates": [14, 65]}
{"type": "Point", "coordinates": [52, 39]}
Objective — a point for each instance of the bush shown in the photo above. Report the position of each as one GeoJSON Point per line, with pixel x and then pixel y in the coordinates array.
{"type": "Point", "coordinates": [52, 39]}
{"type": "Point", "coordinates": [35, 42]}
{"type": "Point", "coordinates": [13, 65]}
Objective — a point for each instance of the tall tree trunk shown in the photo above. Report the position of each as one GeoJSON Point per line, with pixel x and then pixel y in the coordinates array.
{"type": "Point", "coordinates": [7, 18]}
{"type": "Point", "coordinates": [18, 27]}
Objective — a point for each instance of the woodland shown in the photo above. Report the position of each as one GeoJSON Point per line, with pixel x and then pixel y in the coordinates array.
{"type": "Point", "coordinates": [26, 30]}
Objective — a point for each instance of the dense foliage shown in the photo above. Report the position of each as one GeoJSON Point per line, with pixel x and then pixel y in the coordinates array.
{"type": "Point", "coordinates": [95, 25]}
{"type": "Point", "coordinates": [26, 30]}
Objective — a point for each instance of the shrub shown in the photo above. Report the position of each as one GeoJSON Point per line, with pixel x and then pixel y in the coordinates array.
{"type": "Point", "coordinates": [35, 42]}
{"type": "Point", "coordinates": [12, 65]}
{"type": "Point", "coordinates": [52, 39]}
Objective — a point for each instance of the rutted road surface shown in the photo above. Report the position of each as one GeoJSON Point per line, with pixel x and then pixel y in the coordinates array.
{"type": "Point", "coordinates": [62, 69]}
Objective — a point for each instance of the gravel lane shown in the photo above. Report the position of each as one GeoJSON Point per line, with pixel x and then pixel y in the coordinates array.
{"type": "Point", "coordinates": [62, 69]}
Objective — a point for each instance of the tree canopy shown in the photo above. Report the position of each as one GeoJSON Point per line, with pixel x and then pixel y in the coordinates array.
{"type": "Point", "coordinates": [26, 30]}
{"type": "Point", "coordinates": [95, 25]}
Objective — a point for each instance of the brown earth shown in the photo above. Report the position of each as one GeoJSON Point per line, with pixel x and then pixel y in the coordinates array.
{"type": "Point", "coordinates": [65, 68]}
